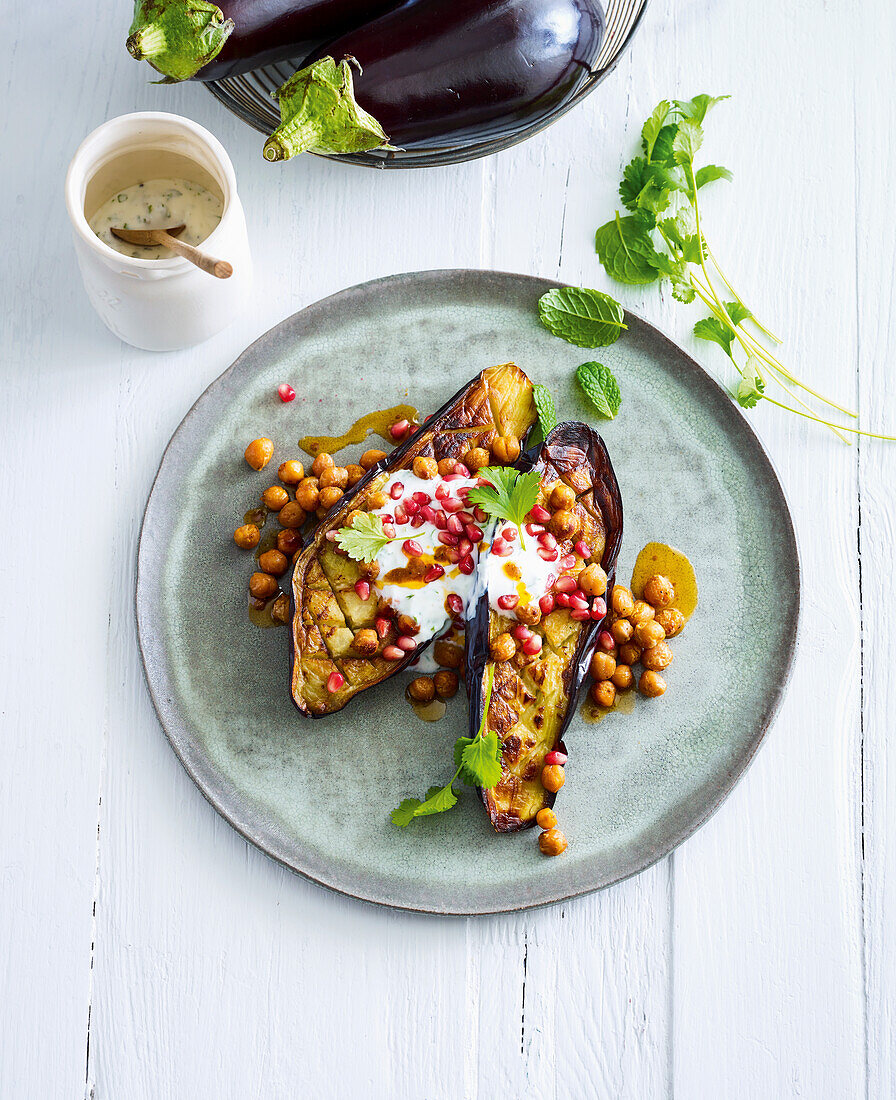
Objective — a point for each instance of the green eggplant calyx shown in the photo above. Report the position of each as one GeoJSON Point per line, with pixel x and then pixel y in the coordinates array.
{"type": "Point", "coordinates": [177, 37]}
{"type": "Point", "coordinates": [319, 114]}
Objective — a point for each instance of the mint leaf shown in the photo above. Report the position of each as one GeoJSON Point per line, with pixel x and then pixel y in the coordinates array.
{"type": "Point", "coordinates": [586, 318]}
{"type": "Point", "coordinates": [654, 125]}
{"type": "Point", "coordinates": [711, 328]}
{"type": "Point", "coordinates": [625, 249]}
{"type": "Point", "coordinates": [481, 761]}
{"type": "Point", "coordinates": [695, 110]}
{"type": "Point", "coordinates": [601, 388]}
{"type": "Point", "coordinates": [710, 172]}
{"type": "Point", "coordinates": [546, 409]}
{"type": "Point", "coordinates": [405, 813]}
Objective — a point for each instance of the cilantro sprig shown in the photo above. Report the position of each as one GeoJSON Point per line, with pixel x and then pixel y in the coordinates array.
{"type": "Point", "coordinates": [365, 538]}
{"type": "Point", "coordinates": [477, 760]}
{"type": "Point", "coordinates": [509, 495]}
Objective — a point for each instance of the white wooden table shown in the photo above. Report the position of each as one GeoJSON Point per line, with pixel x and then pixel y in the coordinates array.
{"type": "Point", "coordinates": [145, 950]}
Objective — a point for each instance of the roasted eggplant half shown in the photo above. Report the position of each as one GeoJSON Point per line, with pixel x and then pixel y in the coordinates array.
{"type": "Point", "coordinates": [534, 696]}
{"type": "Point", "coordinates": [330, 663]}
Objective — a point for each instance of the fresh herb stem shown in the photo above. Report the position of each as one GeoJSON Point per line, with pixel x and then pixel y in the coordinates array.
{"type": "Point", "coordinates": [715, 263]}
{"type": "Point", "coordinates": [842, 427]}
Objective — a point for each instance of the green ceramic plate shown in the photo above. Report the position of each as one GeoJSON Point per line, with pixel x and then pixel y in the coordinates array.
{"type": "Point", "coordinates": [316, 795]}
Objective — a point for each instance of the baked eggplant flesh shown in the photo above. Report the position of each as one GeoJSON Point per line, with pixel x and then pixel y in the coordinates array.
{"type": "Point", "coordinates": [328, 611]}
{"type": "Point", "coordinates": [534, 697]}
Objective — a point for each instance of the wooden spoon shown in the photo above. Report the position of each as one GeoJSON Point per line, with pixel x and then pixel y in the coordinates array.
{"type": "Point", "coordinates": [221, 269]}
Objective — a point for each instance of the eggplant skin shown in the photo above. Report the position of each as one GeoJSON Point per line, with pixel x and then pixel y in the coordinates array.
{"type": "Point", "coordinates": [435, 67]}
{"type": "Point", "coordinates": [534, 699]}
{"type": "Point", "coordinates": [326, 610]}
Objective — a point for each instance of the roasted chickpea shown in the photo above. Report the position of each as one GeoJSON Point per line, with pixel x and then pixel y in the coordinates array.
{"type": "Point", "coordinates": [376, 499]}
{"type": "Point", "coordinates": [355, 473]}
{"type": "Point", "coordinates": [629, 654]}
{"type": "Point", "coordinates": [503, 647]}
{"type": "Point", "coordinates": [552, 842]}
{"type": "Point", "coordinates": [370, 458]}
{"type": "Point", "coordinates": [603, 692]}
{"type": "Point", "coordinates": [564, 524]}
{"type": "Point", "coordinates": [275, 497]}
{"type": "Point", "coordinates": [622, 631]}
{"type": "Point", "coordinates": [562, 497]}
{"type": "Point", "coordinates": [593, 580]}
{"type": "Point", "coordinates": [546, 818]}
{"type": "Point", "coordinates": [291, 473]}
{"type": "Point", "coordinates": [651, 684]}
{"type": "Point", "coordinates": [273, 562]}
{"type": "Point", "coordinates": [657, 657]}
{"type": "Point", "coordinates": [659, 591]}
{"type": "Point", "coordinates": [622, 677]}
{"type": "Point", "coordinates": [407, 624]}
{"type": "Point", "coordinates": [602, 666]}
{"type": "Point", "coordinates": [623, 601]}
{"type": "Point", "coordinates": [262, 586]}
{"type": "Point", "coordinates": [333, 476]}
{"type": "Point", "coordinates": [292, 515]}
{"type": "Point", "coordinates": [553, 777]}
{"type": "Point", "coordinates": [649, 633]}
{"type": "Point", "coordinates": [352, 516]}
{"type": "Point", "coordinates": [322, 462]}
{"type": "Point", "coordinates": [288, 540]}
{"type": "Point", "coordinates": [446, 683]}
{"type": "Point", "coordinates": [447, 466]}
{"type": "Point", "coordinates": [422, 690]}
{"type": "Point", "coordinates": [448, 654]}
{"type": "Point", "coordinates": [280, 609]}
{"type": "Point", "coordinates": [259, 453]}
{"type": "Point", "coordinates": [671, 620]}
{"type": "Point", "coordinates": [247, 536]}
{"type": "Point", "coordinates": [506, 449]}
{"type": "Point", "coordinates": [328, 497]}
{"type": "Point", "coordinates": [477, 458]}
{"type": "Point", "coordinates": [307, 493]}
{"type": "Point", "coordinates": [640, 613]}
{"type": "Point", "coordinates": [427, 468]}
{"type": "Point", "coordinates": [528, 613]}
{"type": "Point", "coordinates": [366, 641]}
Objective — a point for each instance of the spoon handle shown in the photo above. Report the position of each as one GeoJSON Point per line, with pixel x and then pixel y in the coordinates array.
{"type": "Point", "coordinates": [221, 269]}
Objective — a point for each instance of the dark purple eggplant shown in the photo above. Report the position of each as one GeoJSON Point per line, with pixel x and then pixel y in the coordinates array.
{"type": "Point", "coordinates": [183, 39]}
{"type": "Point", "coordinates": [433, 69]}
{"type": "Point", "coordinates": [534, 699]}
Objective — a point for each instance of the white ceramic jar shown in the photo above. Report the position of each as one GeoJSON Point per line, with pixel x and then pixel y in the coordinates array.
{"type": "Point", "coordinates": [159, 305]}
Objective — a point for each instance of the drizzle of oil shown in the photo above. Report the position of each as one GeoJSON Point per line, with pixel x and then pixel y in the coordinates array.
{"type": "Point", "coordinates": [261, 612]}
{"type": "Point", "coordinates": [378, 423]}
{"type": "Point", "coordinates": [265, 543]}
{"type": "Point", "coordinates": [655, 558]}
{"type": "Point", "coordinates": [258, 516]}
{"type": "Point", "coordinates": [428, 712]}
{"type": "Point", "coordinates": [624, 703]}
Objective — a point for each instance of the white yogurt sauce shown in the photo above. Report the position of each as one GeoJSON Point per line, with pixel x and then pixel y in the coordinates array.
{"type": "Point", "coordinates": [523, 573]}
{"type": "Point", "coordinates": [158, 204]}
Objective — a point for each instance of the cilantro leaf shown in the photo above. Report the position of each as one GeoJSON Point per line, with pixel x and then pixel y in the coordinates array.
{"type": "Point", "coordinates": [682, 289]}
{"type": "Point", "coordinates": [600, 387]}
{"type": "Point", "coordinates": [737, 312]}
{"type": "Point", "coordinates": [687, 143]}
{"type": "Point", "coordinates": [405, 813]}
{"type": "Point", "coordinates": [682, 232]}
{"type": "Point", "coordinates": [547, 410]}
{"type": "Point", "coordinates": [711, 328]}
{"type": "Point", "coordinates": [750, 388]}
{"type": "Point", "coordinates": [625, 249]}
{"type": "Point", "coordinates": [663, 149]}
{"type": "Point", "coordinates": [654, 125]}
{"type": "Point", "coordinates": [695, 110]}
{"type": "Point", "coordinates": [711, 172]}
{"type": "Point", "coordinates": [481, 761]}
{"type": "Point", "coordinates": [437, 801]}
{"type": "Point", "coordinates": [510, 494]}
{"type": "Point", "coordinates": [586, 318]}
{"type": "Point", "coordinates": [364, 539]}
{"type": "Point", "coordinates": [635, 177]}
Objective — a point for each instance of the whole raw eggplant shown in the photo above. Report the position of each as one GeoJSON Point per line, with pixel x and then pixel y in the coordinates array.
{"type": "Point", "coordinates": [532, 704]}
{"type": "Point", "coordinates": [433, 69]}
{"type": "Point", "coordinates": [182, 39]}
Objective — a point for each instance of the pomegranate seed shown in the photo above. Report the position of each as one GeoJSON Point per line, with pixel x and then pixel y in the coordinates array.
{"type": "Point", "coordinates": [454, 603]}
{"type": "Point", "coordinates": [562, 599]}
{"type": "Point", "coordinates": [556, 757]}
{"type": "Point", "coordinates": [427, 513]}
{"type": "Point", "coordinates": [473, 532]}
{"type": "Point", "coordinates": [455, 526]}
{"type": "Point", "coordinates": [521, 632]}
{"type": "Point", "coordinates": [401, 514]}
{"type": "Point", "coordinates": [452, 504]}
{"type": "Point", "coordinates": [334, 682]}
{"type": "Point", "coordinates": [453, 555]}
{"type": "Point", "coordinates": [440, 520]}
{"type": "Point", "coordinates": [566, 584]}
{"type": "Point", "coordinates": [392, 653]}
{"type": "Point", "coordinates": [580, 595]}
{"type": "Point", "coordinates": [447, 539]}
{"type": "Point", "coordinates": [331, 536]}
{"type": "Point", "coordinates": [382, 627]}
{"type": "Point", "coordinates": [465, 546]}
{"type": "Point", "coordinates": [569, 561]}
{"type": "Point", "coordinates": [399, 429]}
{"type": "Point", "coordinates": [362, 588]}
{"type": "Point", "coordinates": [539, 514]}
{"type": "Point", "coordinates": [417, 521]}
{"type": "Point", "coordinates": [578, 603]}
{"type": "Point", "coordinates": [483, 481]}
{"type": "Point", "coordinates": [463, 491]}
{"type": "Point", "coordinates": [465, 517]}
{"type": "Point", "coordinates": [396, 490]}
{"type": "Point", "coordinates": [501, 548]}
{"type": "Point", "coordinates": [406, 644]}
{"type": "Point", "coordinates": [532, 646]}
{"type": "Point", "coordinates": [389, 530]}
{"type": "Point", "coordinates": [549, 581]}
{"type": "Point", "coordinates": [547, 540]}
{"type": "Point", "coordinates": [605, 641]}
{"type": "Point", "coordinates": [547, 555]}
{"type": "Point", "coordinates": [412, 548]}
{"type": "Point", "coordinates": [534, 528]}
{"type": "Point", "coordinates": [466, 566]}
{"type": "Point", "coordinates": [433, 573]}
{"type": "Point", "coordinates": [509, 534]}
{"type": "Point", "coordinates": [546, 603]}
{"type": "Point", "coordinates": [456, 476]}
{"type": "Point", "coordinates": [411, 507]}
{"type": "Point", "coordinates": [441, 492]}
{"type": "Point", "coordinates": [461, 470]}
{"type": "Point", "coordinates": [598, 607]}
{"type": "Point", "coordinates": [583, 549]}
{"type": "Point", "coordinates": [579, 615]}
{"type": "Point", "coordinates": [287, 393]}
{"type": "Point", "coordinates": [422, 498]}
{"type": "Point", "coordinates": [481, 516]}
{"type": "Point", "coordinates": [508, 603]}
{"type": "Point", "coordinates": [387, 517]}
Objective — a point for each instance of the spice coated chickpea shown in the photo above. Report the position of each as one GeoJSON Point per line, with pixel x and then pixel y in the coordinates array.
{"type": "Point", "coordinates": [274, 497]}
{"type": "Point", "coordinates": [370, 458]}
{"type": "Point", "coordinates": [623, 601]}
{"type": "Point", "coordinates": [640, 613]}
{"type": "Point", "coordinates": [553, 777]}
{"type": "Point", "coordinates": [280, 609]}
{"type": "Point", "coordinates": [262, 586]}
{"type": "Point", "coordinates": [273, 562]}
{"type": "Point", "coordinates": [333, 476]}
{"type": "Point", "coordinates": [328, 497]}
{"type": "Point", "coordinates": [259, 453]}
{"type": "Point", "coordinates": [649, 633]}
{"type": "Point", "coordinates": [602, 666]}
{"type": "Point", "coordinates": [426, 468]}
{"type": "Point", "coordinates": [322, 462]}
{"type": "Point", "coordinates": [308, 493]}
{"type": "Point", "coordinates": [352, 516]}
{"type": "Point", "coordinates": [291, 473]}
{"type": "Point", "coordinates": [448, 654]}
{"type": "Point", "coordinates": [355, 473]}
{"type": "Point", "coordinates": [651, 684]}
{"type": "Point", "coordinates": [446, 683]}
{"type": "Point", "coordinates": [366, 641]}
{"type": "Point", "coordinates": [477, 458]}
{"type": "Point", "coordinates": [376, 499]}
{"type": "Point", "coordinates": [546, 818]}
{"type": "Point", "coordinates": [288, 540]}
{"type": "Point", "coordinates": [247, 536]}
{"type": "Point", "coordinates": [603, 692]}
{"type": "Point", "coordinates": [292, 514]}
{"type": "Point", "coordinates": [593, 580]}
{"type": "Point", "coordinates": [562, 497]}
{"type": "Point", "coordinates": [552, 843]}
{"type": "Point", "coordinates": [629, 654]}
{"type": "Point", "coordinates": [564, 524]}
{"type": "Point", "coordinates": [671, 620]}
{"type": "Point", "coordinates": [622, 631]}
{"type": "Point", "coordinates": [657, 657]}
{"type": "Point", "coordinates": [623, 678]}
{"type": "Point", "coordinates": [506, 449]}
{"type": "Point", "coordinates": [659, 591]}
{"type": "Point", "coordinates": [447, 466]}
{"type": "Point", "coordinates": [528, 613]}
{"type": "Point", "coordinates": [422, 689]}
{"type": "Point", "coordinates": [503, 647]}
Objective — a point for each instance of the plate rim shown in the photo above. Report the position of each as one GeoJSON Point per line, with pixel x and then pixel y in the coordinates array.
{"type": "Point", "coordinates": [179, 741]}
